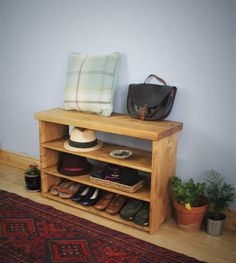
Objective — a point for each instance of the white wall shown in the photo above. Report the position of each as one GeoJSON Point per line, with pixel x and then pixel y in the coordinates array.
{"type": "Point", "coordinates": [233, 176]}
{"type": "Point", "coordinates": [1, 70]}
{"type": "Point", "coordinates": [189, 43]}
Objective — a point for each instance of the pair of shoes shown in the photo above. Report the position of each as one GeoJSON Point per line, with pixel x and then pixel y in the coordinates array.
{"type": "Point", "coordinates": [136, 210]}
{"type": "Point", "coordinates": [130, 209]}
{"type": "Point", "coordinates": [105, 200]}
{"type": "Point", "coordinates": [92, 197]}
{"type": "Point", "coordinates": [69, 191]}
{"type": "Point", "coordinates": [54, 189]}
{"type": "Point", "coordinates": [87, 195]}
{"type": "Point", "coordinates": [65, 189]}
{"type": "Point", "coordinates": [116, 204]}
{"type": "Point", "coordinates": [82, 191]}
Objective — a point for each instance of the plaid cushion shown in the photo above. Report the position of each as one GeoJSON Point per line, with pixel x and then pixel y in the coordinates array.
{"type": "Point", "coordinates": [91, 82]}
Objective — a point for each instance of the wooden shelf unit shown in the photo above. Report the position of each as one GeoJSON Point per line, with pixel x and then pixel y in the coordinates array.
{"type": "Point", "coordinates": [160, 162]}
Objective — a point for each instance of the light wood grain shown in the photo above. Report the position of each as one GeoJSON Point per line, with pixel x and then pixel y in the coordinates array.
{"type": "Point", "coordinates": [163, 167]}
{"type": "Point", "coordinates": [141, 194]}
{"type": "Point", "coordinates": [54, 125]}
{"type": "Point", "coordinates": [117, 123]}
{"type": "Point", "coordinates": [92, 210]}
{"type": "Point", "coordinates": [18, 160]}
{"type": "Point", "coordinates": [47, 133]}
{"type": "Point", "coordinates": [198, 244]}
{"type": "Point", "coordinates": [140, 160]}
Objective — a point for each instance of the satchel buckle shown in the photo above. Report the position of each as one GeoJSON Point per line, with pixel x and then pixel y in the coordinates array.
{"type": "Point", "coordinates": [142, 112]}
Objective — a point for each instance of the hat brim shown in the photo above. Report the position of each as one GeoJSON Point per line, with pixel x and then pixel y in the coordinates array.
{"type": "Point", "coordinates": [75, 149]}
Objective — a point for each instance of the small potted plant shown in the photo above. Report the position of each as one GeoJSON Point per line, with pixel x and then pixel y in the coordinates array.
{"type": "Point", "coordinates": [220, 195]}
{"type": "Point", "coordinates": [32, 178]}
{"type": "Point", "coordinates": [189, 202]}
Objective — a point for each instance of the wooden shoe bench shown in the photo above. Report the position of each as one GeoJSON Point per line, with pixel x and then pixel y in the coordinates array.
{"type": "Point", "coordinates": [160, 162]}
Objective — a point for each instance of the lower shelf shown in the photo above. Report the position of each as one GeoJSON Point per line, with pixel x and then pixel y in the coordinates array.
{"type": "Point", "coordinates": [141, 194]}
{"type": "Point", "coordinates": [92, 210]}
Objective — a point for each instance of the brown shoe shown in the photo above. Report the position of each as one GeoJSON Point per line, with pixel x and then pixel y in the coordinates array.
{"type": "Point", "coordinates": [104, 201]}
{"type": "Point", "coordinates": [116, 204]}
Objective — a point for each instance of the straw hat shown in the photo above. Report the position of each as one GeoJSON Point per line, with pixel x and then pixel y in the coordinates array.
{"type": "Point", "coordinates": [82, 140]}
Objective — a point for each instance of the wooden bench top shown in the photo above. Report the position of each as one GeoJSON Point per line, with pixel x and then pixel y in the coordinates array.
{"type": "Point", "coordinates": [117, 123]}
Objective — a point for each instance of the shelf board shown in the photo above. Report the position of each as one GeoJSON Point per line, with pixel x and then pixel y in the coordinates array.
{"type": "Point", "coordinates": [140, 159]}
{"type": "Point", "coordinates": [141, 194]}
{"type": "Point", "coordinates": [92, 210]}
{"type": "Point", "coordinates": [117, 123]}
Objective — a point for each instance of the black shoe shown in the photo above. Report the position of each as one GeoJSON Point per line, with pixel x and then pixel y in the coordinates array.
{"type": "Point", "coordinates": [142, 216]}
{"type": "Point", "coordinates": [89, 194]}
{"type": "Point", "coordinates": [83, 190]}
{"type": "Point", "coordinates": [91, 199]}
{"type": "Point", "coordinates": [130, 209]}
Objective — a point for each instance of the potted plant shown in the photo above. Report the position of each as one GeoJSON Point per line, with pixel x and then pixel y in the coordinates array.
{"type": "Point", "coordinates": [220, 195]}
{"type": "Point", "coordinates": [189, 202]}
{"type": "Point", "coordinates": [32, 178]}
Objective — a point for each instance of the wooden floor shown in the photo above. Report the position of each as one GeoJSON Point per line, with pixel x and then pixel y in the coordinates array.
{"type": "Point", "coordinates": [199, 244]}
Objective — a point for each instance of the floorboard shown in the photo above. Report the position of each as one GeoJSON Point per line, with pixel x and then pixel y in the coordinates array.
{"type": "Point", "coordinates": [199, 244]}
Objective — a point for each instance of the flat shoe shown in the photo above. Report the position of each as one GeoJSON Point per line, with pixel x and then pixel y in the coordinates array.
{"type": "Point", "coordinates": [83, 190]}
{"type": "Point", "coordinates": [69, 191]}
{"type": "Point", "coordinates": [104, 201]}
{"type": "Point", "coordinates": [142, 216]}
{"type": "Point", "coordinates": [88, 195]}
{"type": "Point", "coordinates": [55, 188]}
{"type": "Point", "coordinates": [116, 204]}
{"type": "Point", "coordinates": [130, 209]}
{"type": "Point", "coordinates": [93, 199]}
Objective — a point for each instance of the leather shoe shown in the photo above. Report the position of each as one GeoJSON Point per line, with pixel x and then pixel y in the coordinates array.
{"type": "Point", "coordinates": [91, 198]}
{"type": "Point", "coordinates": [83, 190]}
{"type": "Point", "coordinates": [116, 204]}
{"type": "Point", "coordinates": [104, 201]}
{"type": "Point", "coordinates": [130, 209]}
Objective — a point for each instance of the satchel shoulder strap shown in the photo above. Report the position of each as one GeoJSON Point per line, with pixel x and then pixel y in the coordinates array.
{"type": "Point", "coordinates": [147, 80]}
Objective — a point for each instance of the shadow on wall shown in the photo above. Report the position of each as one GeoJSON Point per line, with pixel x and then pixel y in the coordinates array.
{"type": "Point", "coordinates": [121, 91]}
{"type": "Point", "coordinates": [200, 151]}
{"type": "Point", "coordinates": [124, 141]}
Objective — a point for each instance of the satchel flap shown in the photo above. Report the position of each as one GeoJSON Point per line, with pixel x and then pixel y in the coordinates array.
{"type": "Point", "coordinates": [149, 94]}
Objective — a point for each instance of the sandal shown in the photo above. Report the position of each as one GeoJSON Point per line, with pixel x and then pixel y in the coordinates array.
{"type": "Point", "coordinates": [55, 188]}
{"type": "Point", "coordinates": [69, 191]}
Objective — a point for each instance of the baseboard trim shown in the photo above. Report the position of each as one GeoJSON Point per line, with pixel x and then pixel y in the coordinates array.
{"type": "Point", "coordinates": [230, 222]}
{"type": "Point", "coordinates": [22, 161]}
{"type": "Point", "coordinates": [18, 160]}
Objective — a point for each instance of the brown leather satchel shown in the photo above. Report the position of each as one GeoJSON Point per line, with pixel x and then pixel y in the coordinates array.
{"type": "Point", "coordinates": [147, 101]}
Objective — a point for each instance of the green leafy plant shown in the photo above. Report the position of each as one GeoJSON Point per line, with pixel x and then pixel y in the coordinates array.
{"type": "Point", "coordinates": [32, 169]}
{"type": "Point", "coordinates": [219, 194]}
{"type": "Point", "coordinates": [188, 194]}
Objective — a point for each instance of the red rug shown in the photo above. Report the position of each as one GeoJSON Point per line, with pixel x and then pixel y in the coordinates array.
{"type": "Point", "coordinates": [36, 233]}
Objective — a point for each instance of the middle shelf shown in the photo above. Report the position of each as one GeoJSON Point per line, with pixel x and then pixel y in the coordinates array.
{"type": "Point", "coordinates": [141, 194]}
{"type": "Point", "coordinates": [140, 160]}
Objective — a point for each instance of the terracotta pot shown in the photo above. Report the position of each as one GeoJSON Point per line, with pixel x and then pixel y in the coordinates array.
{"type": "Point", "coordinates": [190, 219]}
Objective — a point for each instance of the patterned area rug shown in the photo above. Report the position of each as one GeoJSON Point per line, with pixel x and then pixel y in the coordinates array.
{"type": "Point", "coordinates": [36, 233]}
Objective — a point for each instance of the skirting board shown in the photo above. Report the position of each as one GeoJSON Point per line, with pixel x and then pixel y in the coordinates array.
{"type": "Point", "coordinates": [18, 160]}
{"type": "Point", "coordinates": [22, 161]}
